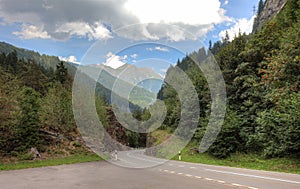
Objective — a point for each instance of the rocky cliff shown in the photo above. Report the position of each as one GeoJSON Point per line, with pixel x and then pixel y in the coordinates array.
{"type": "Point", "coordinates": [271, 8]}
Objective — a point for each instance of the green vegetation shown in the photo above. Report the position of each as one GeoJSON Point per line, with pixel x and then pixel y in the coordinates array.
{"type": "Point", "coordinates": [36, 112]}
{"type": "Point", "coordinates": [78, 158]}
{"type": "Point", "coordinates": [242, 160]}
{"type": "Point", "coordinates": [261, 129]}
{"type": "Point", "coordinates": [262, 74]}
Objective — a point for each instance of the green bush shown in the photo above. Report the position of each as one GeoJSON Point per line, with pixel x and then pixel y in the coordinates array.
{"type": "Point", "coordinates": [26, 156]}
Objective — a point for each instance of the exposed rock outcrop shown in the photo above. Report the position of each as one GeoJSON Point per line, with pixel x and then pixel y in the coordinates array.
{"type": "Point", "coordinates": [271, 8]}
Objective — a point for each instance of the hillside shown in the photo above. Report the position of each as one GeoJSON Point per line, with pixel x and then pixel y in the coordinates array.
{"type": "Point", "coordinates": [261, 71]}
{"type": "Point", "coordinates": [262, 75]}
{"type": "Point", "coordinates": [29, 55]}
{"type": "Point", "coordinates": [36, 106]}
{"type": "Point", "coordinates": [139, 96]}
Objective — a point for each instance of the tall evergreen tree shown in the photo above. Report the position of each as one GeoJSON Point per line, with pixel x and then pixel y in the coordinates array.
{"type": "Point", "coordinates": [27, 127]}
{"type": "Point", "coordinates": [61, 72]}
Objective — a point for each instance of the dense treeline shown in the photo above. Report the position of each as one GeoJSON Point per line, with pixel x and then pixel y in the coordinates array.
{"type": "Point", "coordinates": [25, 55]}
{"type": "Point", "coordinates": [36, 109]}
{"type": "Point", "coordinates": [262, 75]}
{"type": "Point", "coordinates": [261, 71]}
{"type": "Point", "coordinates": [35, 106]}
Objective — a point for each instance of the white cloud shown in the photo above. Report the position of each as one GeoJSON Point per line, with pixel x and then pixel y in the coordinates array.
{"type": "Point", "coordinates": [193, 19]}
{"type": "Point", "coordinates": [158, 48]}
{"type": "Point", "coordinates": [226, 2]}
{"type": "Point", "coordinates": [154, 19]}
{"type": "Point", "coordinates": [134, 56]}
{"type": "Point", "coordinates": [60, 18]}
{"type": "Point", "coordinates": [163, 49]}
{"type": "Point", "coordinates": [31, 32]}
{"type": "Point", "coordinates": [81, 29]}
{"type": "Point", "coordinates": [241, 25]}
{"type": "Point", "coordinates": [188, 12]}
{"type": "Point", "coordinates": [115, 61]}
{"type": "Point", "coordinates": [71, 58]}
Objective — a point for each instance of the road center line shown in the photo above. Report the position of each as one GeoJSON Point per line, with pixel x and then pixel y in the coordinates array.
{"type": "Point", "coordinates": [121, 159]}
{"type": "Point", "coordinates": [254, 176]}
{"type": "Point", "coordinates": [208, 179]}
{"type": "Point", "coordinates": [139, 158]}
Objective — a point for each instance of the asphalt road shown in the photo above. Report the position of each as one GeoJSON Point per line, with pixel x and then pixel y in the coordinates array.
{"type": "Point", "coordinates": [171, 174]}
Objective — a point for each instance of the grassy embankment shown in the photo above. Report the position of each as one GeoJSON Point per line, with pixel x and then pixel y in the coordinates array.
{"type": "Point", "coordinates": [248, 161]}
{"type": "Point", "coordinates": [76, 158]}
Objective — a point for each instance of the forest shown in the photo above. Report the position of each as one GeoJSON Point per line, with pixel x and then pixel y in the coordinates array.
{"type": "Point", "coordinates": [262, 75]}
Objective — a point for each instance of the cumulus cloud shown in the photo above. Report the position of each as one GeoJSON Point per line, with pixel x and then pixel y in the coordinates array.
{"type": "Point", "coordinates": [81, 29]}
{"type": "Point", "coordinates": [64, 19]}
{"type": "Point", "coordinates": [115, 61]}
{"type": "Point", "coordinates": [226, 2]}
{"type": "Point", "coordinates": [188, 12]}
{"type": "Point", "coordinates": [158, 48]}
{"type": "Point", "coordinates": [96, 20]}
{"type": "Point", "coordinates": [71, 58]}
{"type": "Point", "coordinates": [242, 25]}
{"type": "Point", "coordinates": [31, 32]}
{"type": "Point", "coordinates": [134, 56]}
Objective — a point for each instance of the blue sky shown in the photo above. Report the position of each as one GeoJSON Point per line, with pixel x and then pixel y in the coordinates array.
{"type": "Point", "coordinates": [74, 30]}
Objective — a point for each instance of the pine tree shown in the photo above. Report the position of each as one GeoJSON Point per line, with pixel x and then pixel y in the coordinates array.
{"type": "Point", "coordinates": [12, 62]}
{"type": "Point", "coordinates": [260, 9]}
{"type": "Point", "coordinates": [209, 45]}
{"type": "Point", "coordinates": [27, 126]}
{"type": "Point", "coordinates": [61, 72]}
{"type": "Point", "coordinates": [226, 39]}
{"type": "Point", "coordinates": [261, 5]}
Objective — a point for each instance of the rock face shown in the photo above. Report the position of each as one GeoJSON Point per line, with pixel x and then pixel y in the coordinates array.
{"type": "Point", "coordinates": [272, 8]}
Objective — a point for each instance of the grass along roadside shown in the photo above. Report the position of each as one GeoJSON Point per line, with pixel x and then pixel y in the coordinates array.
{"type": "Point", "coordinates": [248, 161]}
{"type": "Point", "coordinates": [78, 158]}
{"type": "Point", "coordinates": [239, 160]}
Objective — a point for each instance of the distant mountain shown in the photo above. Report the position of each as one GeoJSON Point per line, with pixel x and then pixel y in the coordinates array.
{"type": "Point", "coordinates": [141, 94]}
{"type": "Point", "coordinates": [139, 76]}
{"type": "Point", "coordinates": [130, 81]}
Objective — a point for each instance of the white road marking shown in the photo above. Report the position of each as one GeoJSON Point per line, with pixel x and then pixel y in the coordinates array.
{"type": "Point", "coordinates": [135, 157]}
{"type": "Point", "coordinates": [121, 159]}
{"type": "Point", "coordinates": [234, 184]}
{"type": "Point", "coordinates": [254, 176]}
{"type": "Point", "coordinates": [209, 179]}
{"type": "Point", "coordinates": [192, 167]}
{"type": "Point", "coordinates": [250, 187]}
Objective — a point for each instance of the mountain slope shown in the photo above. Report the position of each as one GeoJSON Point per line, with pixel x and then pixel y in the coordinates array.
{"type": "Point", "coordinates": [139, 95]}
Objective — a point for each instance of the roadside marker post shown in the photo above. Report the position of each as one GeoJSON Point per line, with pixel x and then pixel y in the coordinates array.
{"type": "Point", "coordinates": [179, 155]}
{"type": "Point", "coordinates": [116, 155]}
